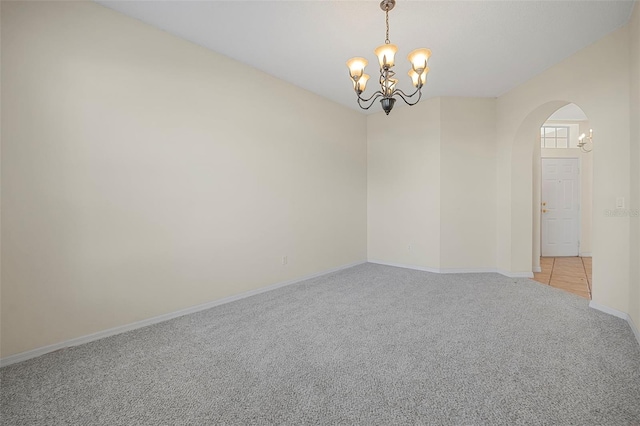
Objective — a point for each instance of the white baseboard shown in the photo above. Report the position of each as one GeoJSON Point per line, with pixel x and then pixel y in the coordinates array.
{"type": "Point", "coordinates": [466, 270]}
{"type": "Point", "coordinates": [635, 329]}
{"type": "Point", "coordinates": [619, 314]}
{"type": "Point", "coordinates": [23, 356]}
{"type": "Point", "coordinates": [585, 254]}
{"type": "Point", "coordinates": [510, 274]}
{"type": "Point", "coordinates": [454, 270]}
{"type": "Point", "coordinates": [537, 269]}
{"type": "Point", "coordinates": [608, 310]}
{"type": "Point", "coordinates": [403, 265]}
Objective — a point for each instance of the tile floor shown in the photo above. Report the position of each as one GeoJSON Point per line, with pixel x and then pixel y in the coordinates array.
{"type": "Point", "coordinates": [572, 274]}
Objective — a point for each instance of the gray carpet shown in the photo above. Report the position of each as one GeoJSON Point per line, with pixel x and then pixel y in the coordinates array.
{"type": "Point", "coordinates": [370, 345]}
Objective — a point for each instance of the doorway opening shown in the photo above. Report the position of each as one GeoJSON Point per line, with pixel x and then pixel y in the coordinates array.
{"type": "Point", "coordinates": [562, 199]}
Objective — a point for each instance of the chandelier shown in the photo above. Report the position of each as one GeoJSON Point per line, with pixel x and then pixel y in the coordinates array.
{"type": "Point", "coordinates": [585, 141]}
{"type": "Point", "coordinates": [388, 85]}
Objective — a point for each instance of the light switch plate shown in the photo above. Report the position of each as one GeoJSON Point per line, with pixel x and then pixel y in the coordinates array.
{"type": "Point", "coordinates": [620, 203]}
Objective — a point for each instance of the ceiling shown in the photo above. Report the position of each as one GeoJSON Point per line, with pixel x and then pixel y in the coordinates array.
{"type": "Point", "coordinates": [480, 48]}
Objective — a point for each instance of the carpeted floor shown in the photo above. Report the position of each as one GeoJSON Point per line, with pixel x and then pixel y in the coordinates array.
{"type": "Point", "coordinates": [370, 345]}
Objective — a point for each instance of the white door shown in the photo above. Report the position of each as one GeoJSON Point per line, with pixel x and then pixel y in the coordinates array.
{"type": "Point", "coordinates": [560, 207]}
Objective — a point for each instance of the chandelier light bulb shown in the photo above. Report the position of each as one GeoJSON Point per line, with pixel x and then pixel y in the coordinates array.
{"type": "Point", "coordinates": [360, 84]}
{"type": "Point", "coordinates": [356, 67]}
{"type": "Point", "coordinates": [419, 59]}
{"type": "Point", "coordinates": [418, 80]}
{"type": "Point", "coordinates": [386, 54]}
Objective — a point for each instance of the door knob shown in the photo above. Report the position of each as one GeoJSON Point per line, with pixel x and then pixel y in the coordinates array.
{"type": "Point", "coordinates": [544, 203]}
{"type": "Point", "coordinates": [544, 210]}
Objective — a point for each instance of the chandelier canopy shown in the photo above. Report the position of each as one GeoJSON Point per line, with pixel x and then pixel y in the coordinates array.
{"type": "Point", "coordinates": [388, 84]}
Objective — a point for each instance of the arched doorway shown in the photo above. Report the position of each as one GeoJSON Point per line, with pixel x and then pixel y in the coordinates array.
{"type": "Point", "coordinates": [562, 202]}
{"type": "Point", "coordinates": [603, 94]}
{"type": "Point", "coordinates": [521, 200]}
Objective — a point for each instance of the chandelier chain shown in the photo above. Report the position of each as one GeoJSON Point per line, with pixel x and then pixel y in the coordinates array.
{"type": "Point", "coordinates": [386, 13]}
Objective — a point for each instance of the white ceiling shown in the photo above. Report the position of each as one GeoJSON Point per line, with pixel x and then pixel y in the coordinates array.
{"type": "Point", "coordinates": [480, 48]}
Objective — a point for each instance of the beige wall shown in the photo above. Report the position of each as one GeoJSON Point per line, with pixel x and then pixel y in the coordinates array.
{"type": "Point", "coordinates": [142, 174]}
{"type": "Point", "coordinates": [431, 185]}
{"type": "Point", "coordinates": [403, 186]}
{"type": "Point", "coordinates": [634, 49]}
{"type": "Point", "coordinates": [468, 184]}
{"type": "Point", "coordinates": [603, 94]}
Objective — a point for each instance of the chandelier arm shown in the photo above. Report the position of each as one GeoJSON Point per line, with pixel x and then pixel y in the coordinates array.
{"type": "Point", "coordinates": [375, 94]}
{"type": "Point", "coordinates": [372, 99]}
{"type": "Point", "coordinates": [402, 95]}
{"type": "Point", "coordinates": [408, 96]}
{"type": "Point", "coordinates": [385, 75]}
